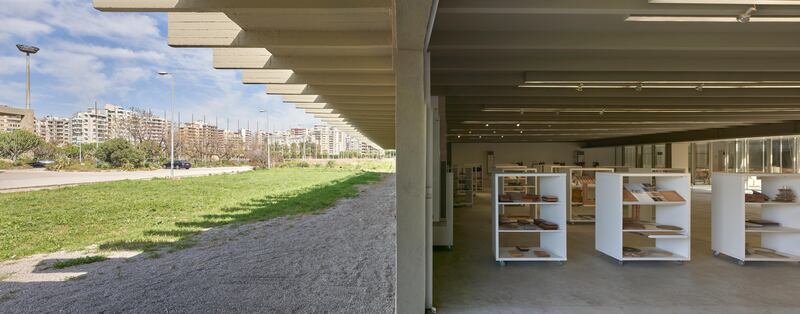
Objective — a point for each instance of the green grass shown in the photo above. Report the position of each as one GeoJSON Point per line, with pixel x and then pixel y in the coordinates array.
{"type": "Point", "coordinates": [78, 261]}
{"type": "Point", "coordinates": [144, 215]}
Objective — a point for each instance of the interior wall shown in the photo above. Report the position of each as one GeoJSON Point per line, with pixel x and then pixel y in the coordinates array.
{"type": "Point", "coordinates": [528, 153]}
{"type": "Point", "coordinates": [680, 155]}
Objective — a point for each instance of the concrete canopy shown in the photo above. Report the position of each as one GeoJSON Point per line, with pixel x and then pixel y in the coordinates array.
{"type": "Point", "coordinates": [336, 55]}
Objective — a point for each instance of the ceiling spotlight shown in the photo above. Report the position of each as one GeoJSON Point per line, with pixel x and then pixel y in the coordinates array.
{"type": "Point", "coordinates": [745, 17]}
{"type": "Point", "coordinates": [580, 87]}
{"type": "Point", "coordinates": [602, 112]}
{"type": "Point", "coordinates": [517, 124]}
{"type": "Point", "coordinates": [520, 132]}
{"type": "Point", "coordinates": [699, 88]}
{"type": "Point", "coordinates": [470, 132]}
{"type": "Point", "coordinates": [502, 136]}
{"type": "Point", "coordinates": [495, 132]}
{"type": "Point", "coordinates": [522, 111]}
{"type": "Point", "coordinates": [459, 136]}
{"type": "Point", "coordinates": [549, 125]}
{"type": "Point", "coordinates": [480, 136]}
{"type": "Point", "coordinates": [639, 87]}
{"type": "Point", "coordinates": [487, 125]}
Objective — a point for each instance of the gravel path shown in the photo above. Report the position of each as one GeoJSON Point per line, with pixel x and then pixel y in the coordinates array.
{"type": "Point", "coordinates": [341, 261]}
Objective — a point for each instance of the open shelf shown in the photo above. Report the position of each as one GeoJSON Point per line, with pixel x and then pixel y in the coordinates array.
{"type": "Point", "coordinates": [729, 233]}
{"type": "Point", "coordinates": [553, 241]}
{"type": "Point", "coordinates": [610, 225]}
{"type": "Point", "coordinates": [505, 255]}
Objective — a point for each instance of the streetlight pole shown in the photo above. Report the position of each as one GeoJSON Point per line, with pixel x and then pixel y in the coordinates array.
{"type": "Point", "coordinates": [269, 158]}
{"type": "Point", "coordinates": [171, 125]}
{"type": "Point", "coordinates": [28, 50]}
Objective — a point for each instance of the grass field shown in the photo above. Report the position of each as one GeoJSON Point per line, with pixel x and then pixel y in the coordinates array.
{"type": "Point", "coordinates": [143, 215]}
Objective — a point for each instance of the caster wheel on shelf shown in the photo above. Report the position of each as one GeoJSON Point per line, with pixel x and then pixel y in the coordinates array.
{"type": "Point", "coordinates": [716, 253]}
{"type": "Point", "coordinates": [501, 263]}
{"type": "Point", "coordinates": [560, 263]}
{"type": "Point", "coordinates": [741, 263]}
{"type": "Point", "coordinates": [620, 263]}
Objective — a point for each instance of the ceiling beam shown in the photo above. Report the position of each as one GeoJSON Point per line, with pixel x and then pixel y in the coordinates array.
{"type": "Point", "coordinates": [489, 101]}
{"type": "Point", "coordinates": [217, 30]}
{"type": "Point", "coordinates": [242, 6]}
{"type": "Point", "coordinates": [612, 41]}
{"type": "Point", "coordinates": [581, 7]}
{"type": "Point", "coordinates": [514, 91]}
{"type": "Point", "coordinates": [289, 77]}
{"type": "Point", "coordinates": [260, 58]}
{"type": "Point", "coordinates": [761, 130]}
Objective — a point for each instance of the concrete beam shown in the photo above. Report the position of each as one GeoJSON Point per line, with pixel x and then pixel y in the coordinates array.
{"type": "Point", "coordinates": [611, 41]}
{"type": "Point", "coordinates": [330, 90]}
{"type": "Point", "coordinates": [217, 30]}
{"type": "Point", "coordinates": [761, 130]}
{"type": "Point", "coordinates": [514, 91]}
{"type": "Point", "coordinates": [260, 58]}
{"type": "Point", "coordinates": [242, 6]}
{"type": "Point", "coordinates": [593, 7]}
{"type": "Point", "coordinates": [289, 77]}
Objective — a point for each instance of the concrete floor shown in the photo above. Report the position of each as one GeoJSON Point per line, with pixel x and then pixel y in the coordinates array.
{"type": "Point", "coordinates": [468, 280]}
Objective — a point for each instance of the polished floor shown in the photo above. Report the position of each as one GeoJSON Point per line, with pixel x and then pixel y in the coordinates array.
{"type": "Point", "coordinates": [468, 280]}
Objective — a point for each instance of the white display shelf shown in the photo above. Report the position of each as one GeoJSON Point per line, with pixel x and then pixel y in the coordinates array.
{"type": "Point", "coordinates": [552, 241]}
{"type": "Point", "coordinates": [609, 232]}
{"type": "Point", "coordinates": [728, 209]}
{"type": "Point", "coordinates": [505, 256]}
{"type": "Point", "coordinates": [464, 190]}
{"type": "Point", "coordinates": [575, 210]}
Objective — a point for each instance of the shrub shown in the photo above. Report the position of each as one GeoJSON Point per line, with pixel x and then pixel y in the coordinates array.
{"type": "Point", "coordinates": [119, 153]}
{"type": "Point", "coordinates": [18, 142]}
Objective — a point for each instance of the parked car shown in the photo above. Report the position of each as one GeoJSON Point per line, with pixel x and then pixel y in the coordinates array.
{"type": "Point", "coordinates": [42, 163]}
{"type": "Point", "coordinates": [179, 164]}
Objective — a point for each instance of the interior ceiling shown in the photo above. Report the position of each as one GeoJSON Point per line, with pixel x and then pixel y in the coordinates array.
{"type": "Point", "coordinates": [482, 51]}
{"type": "Point", "coordinates": [334, 60]}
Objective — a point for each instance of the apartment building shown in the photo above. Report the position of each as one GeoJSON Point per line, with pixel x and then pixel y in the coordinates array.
{"type": "Point", "coordinates": [90, 126]}
{"type": "Point", "coordinates": [15, 118]}
{"type": "Point", "coordinates": [54, 130]}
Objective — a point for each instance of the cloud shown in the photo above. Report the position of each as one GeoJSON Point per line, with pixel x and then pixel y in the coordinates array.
{"type": "Point", "coordinates": [15, 28]}
{"type": "Point", "coordinates": [110, 52]}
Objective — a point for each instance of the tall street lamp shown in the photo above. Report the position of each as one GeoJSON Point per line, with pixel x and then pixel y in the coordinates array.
{"type": "Point", "coordinates": [171, 125]}
{"type": "Point", "coordinates": [28, 50]}
{"type": "Point", "coordinates": [269, 159]}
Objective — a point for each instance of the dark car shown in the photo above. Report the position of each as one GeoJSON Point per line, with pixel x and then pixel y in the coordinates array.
{"type": "Point", "coordinates": [179, 164]}
{"type": "Point", "coordinates": [42, 163]}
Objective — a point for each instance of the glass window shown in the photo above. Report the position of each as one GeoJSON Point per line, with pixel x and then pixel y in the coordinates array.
{"type": "Point", "coordinates": [787, 155]}
{"type": "Point", "coordinates": [755, 155]}
{"type": "Point", "coordinates": [775, 165]}
{"type": "Point", "coordinates": [661, 156]}
{"type": "Point", "coordinates": [647, 156]}
{"type": "Point", "coordinates": [630, 156]}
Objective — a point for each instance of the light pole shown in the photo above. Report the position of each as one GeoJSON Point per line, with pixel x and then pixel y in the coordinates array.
{"type": "Point", "coordinates": [269, 158]}
{"type": "Point", "coordinates": [28, 50]}
{"type": "Point", "coordinates": [171, 125]}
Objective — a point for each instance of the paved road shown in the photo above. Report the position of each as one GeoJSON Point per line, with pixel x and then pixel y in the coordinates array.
{"type": "Point", "coordinates": [32, 179]}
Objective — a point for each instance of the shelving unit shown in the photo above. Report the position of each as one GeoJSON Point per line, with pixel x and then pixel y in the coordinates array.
{"type": "Point", "coordinates": [477, 176]}
{"type": "Point", "coordinates": [464, 190]}
{"type": "Point", "coordinates": [729, 234]}
{"type": "Point", "coordinates": [581, 195]}
{"type": "Point", "coordinates": [670, 245]}
{"type": "Point", "coordinates": [554, 242]}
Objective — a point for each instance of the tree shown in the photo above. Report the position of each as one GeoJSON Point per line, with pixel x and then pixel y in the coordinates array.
{"type": "Point", "coordinates": [15, 143]}
{"type": "Point", "coordinates": [120, 153]}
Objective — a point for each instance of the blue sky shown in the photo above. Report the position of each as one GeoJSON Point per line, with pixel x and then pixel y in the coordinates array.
{"type": "Point", "coordinates": [88, 56]}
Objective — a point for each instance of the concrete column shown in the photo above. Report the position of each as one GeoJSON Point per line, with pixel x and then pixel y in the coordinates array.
{"type": "Point", "coordinates": [411, 180]}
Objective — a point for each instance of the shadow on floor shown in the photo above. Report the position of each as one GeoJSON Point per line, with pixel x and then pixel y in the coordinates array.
{"type": "Point", "coordinates": [310, 201]}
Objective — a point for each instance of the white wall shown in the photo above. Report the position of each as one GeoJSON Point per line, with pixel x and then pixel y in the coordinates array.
{"type": "Point", "coordinates": [505, 153]}
{"type": "Point", "coordinates": [680, 155]}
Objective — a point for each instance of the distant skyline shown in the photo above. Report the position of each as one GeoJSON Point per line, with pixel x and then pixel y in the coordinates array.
{"type": "Point", "coordinates": [89, 56]}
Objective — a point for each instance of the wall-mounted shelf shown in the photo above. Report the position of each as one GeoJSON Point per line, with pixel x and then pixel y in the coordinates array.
{"type": "Point", "coordinates": [553, 242]}
{"type": "Point", "coordinates": [670, 231]}
{"type": "Point", "coordinates": [731, 236]}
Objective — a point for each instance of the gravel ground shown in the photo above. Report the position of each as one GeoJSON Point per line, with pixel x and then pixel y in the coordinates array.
{"type": "Point", "coordinates": [341, 261]}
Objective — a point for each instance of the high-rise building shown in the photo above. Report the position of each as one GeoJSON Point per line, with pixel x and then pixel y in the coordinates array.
{"type": "Point", "coordinates": [90, 126]}
{"type": "Point", "coordinates": [54, 130]}
{"type": "Point", "coordinates": [15, 119]}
